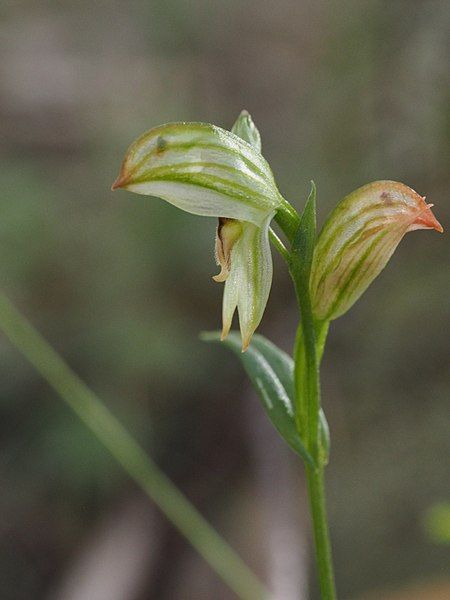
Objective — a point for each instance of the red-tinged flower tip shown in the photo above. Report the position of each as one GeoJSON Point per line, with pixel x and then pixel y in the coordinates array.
{"type": "Point", "coordinates": [359, 238]}
{"type": "Point", "coordinates": [426, 219]}
{"type": "Point", "coordinates": [120, 182]}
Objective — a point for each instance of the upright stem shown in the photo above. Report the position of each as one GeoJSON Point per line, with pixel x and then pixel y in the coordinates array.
{"type": "Point", "coordinates": [279, 245]}
{"type": "Point", "coordinates": [307, 380]}
{"type": "Point", "coordinates": [316, 493]}
{"type": "Point", "coordinates": [307, 354]}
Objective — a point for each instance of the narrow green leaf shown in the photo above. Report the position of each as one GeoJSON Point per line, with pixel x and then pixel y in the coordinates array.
{"type": "Point", "coordinates": [280, 361]}
{"type": "Point", "coordinates": [283, 365]}
{"type": "Point", "coordinates": [271, 373]}
{"type": "Point", "coordinates": [307, 394]}
{"type": "Point", "coordinates": [304, 240]}
{"type": "Point", "coordinates": [129, 454]}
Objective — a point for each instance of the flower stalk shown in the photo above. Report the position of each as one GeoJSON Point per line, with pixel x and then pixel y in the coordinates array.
{"type": "Point", "coordinates": [309, 345]}
{"type": "Point", "coordinates": [307, 385]}
{"type": "Point", "coordinates": [316, 493]}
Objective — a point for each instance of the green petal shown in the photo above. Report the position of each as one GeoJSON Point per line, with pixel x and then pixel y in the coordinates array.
{"type": "Point", "coordinates": [201, 169]}
{"type": "Point", "coordinates": [247, 130]}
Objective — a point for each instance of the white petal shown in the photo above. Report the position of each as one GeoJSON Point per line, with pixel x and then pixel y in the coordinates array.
{"type": "Point", "coordinates": [200, 201]}
{"type": "Point", "coordinates": [250, 279]}
{"type": "Point", "coordinates": [230, 300]}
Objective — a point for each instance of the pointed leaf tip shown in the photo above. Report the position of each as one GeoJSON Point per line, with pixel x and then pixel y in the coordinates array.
{"type": "Point", "coordinates": [304, 240]}
{"type": "Point", "coordinates": [271, 372]}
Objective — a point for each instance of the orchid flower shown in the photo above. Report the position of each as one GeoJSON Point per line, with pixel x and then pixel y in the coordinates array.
{"type": "Point", "coordinates": [208, 171]}
{"type": "Point", "coordinates": [358, 239]}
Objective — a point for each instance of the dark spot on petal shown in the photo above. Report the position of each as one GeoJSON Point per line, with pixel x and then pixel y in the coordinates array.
{"type": "Point", "coordinates": [161, 145]}
{"type": "Point", "coordinates": [385, 197]}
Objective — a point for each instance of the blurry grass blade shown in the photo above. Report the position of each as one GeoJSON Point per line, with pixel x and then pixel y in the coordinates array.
{"type": "Point", "coordinates": [437, 523]}
{"type": "Point", "coordinates": [245, 128]}
{"type": "Point", "coordinates": [269, 373]}
{"type": "Point", "coordinates": [202, 169]}
{"type": "Point", "coordinates": [358, 239]}
{"type": "Point", "coordinates": [140, 467]}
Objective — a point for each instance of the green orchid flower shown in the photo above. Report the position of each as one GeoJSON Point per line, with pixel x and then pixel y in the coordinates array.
{"type": "Point", "coordinates": [208, 171]}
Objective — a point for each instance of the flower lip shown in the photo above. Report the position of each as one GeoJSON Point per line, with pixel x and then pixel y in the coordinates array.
{"type": "Point", "coordinates": [228, 233]}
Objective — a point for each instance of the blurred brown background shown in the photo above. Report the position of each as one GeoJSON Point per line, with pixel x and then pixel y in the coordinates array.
{"type": "Point", "coordinates": [343, 93]}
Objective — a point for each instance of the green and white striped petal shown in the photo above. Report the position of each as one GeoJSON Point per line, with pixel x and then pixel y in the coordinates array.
{"type": "Point", "coordinates": [358, 239]}
{"type": "Point", "coordinates": [249, 280]}
{"type": "Point", "coordinates": [202, 169]}
{"type": "Point", "coordinates": [205, 170]}
{"type": "Point", "coordinates": [245, 128]}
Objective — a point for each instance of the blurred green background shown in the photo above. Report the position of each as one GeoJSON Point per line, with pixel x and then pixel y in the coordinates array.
{"type": "Point", "coordinates": [343, 93]}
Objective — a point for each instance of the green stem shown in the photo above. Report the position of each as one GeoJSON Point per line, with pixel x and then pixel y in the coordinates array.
{"type": "Point", "coordinates": [316, 493]}
{"type": "Point", "coordinates": [140, 467]}
{"type": "Point", "coordinates": [321, 330]}
{"type": "Point", "coordinates": [300, 382]}
{"type": "Point", "coordinates": [309, 346]}
{"type": "Point", "coordinates": [287, 218]}
{"type": "Point", "coordinates": [279, 245]}
{"type": "Point", "coordinates": [307, 383]}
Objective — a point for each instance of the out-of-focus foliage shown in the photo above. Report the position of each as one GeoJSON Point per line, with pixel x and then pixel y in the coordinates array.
{"type": "Point", "coordinates": [343, 93]}
{"type": "Point", "coordinates": [437, 523]}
